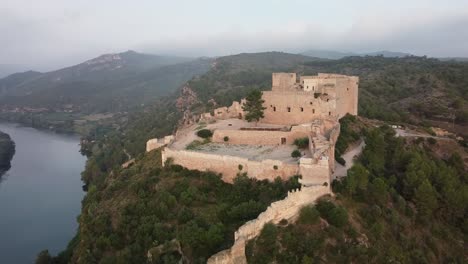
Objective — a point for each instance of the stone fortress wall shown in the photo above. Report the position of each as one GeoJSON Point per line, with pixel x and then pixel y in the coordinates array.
{"type": "Point", "coordinates": [287, 208]}
{"type": "Point", "coordinates": [228, 166]}
{"type": "Point", "coordinates": [286, 135]}
{"type": "Point", "coordinates": [325, 96]}
{"type": "Point", "coordinates": [310, 107]}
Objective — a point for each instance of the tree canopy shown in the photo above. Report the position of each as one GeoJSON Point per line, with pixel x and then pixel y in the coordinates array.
{"type": "Point", "coordinates": [254, 106]}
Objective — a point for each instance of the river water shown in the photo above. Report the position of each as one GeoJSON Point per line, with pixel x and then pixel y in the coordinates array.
{"type": "Point", "coordinates": [40, 196]}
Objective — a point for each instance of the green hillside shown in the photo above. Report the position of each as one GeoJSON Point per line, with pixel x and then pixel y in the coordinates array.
{"type": "Point", "coordinates": [410, 89]}
{"type": "Point", "coordinates": [109, 83]}
{"type": "Point", "coordinates": [404, 202]}
{"type": "Point", "coordinates": [336, 55]}
{"type": "Point", "coordinates": [399, 204]}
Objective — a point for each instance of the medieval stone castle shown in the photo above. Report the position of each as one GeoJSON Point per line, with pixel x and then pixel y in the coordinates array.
{"type": "Point", "coordinates": [296, 108]}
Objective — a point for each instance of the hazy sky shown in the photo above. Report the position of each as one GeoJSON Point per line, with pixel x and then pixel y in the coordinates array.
{"type": "Point", "coordinates": [48, 34]}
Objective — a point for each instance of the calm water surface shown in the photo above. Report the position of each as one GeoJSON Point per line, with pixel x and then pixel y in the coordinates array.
{"type": "Point", "coordinates": [40, 196]}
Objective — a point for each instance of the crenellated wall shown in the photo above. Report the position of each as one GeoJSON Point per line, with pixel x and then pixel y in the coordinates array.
{"type": "Point", "coordinates": [228, 166]}
{"type": "Point", "coordinates": [158, 142]}
{"type": "Point", "coordinates": [308, 108]}
{"type": "Point", "coordinates": [287, 208]}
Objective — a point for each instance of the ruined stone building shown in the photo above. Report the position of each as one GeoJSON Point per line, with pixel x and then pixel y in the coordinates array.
{"type": "Point", "coordinates": [309, 106]}
{"type": "Point", "coordinates": [295, 108]}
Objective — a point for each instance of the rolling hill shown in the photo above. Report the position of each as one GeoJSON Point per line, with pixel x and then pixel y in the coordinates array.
{"type": "Point", "coordinates": [108, 83]}
{"type": "Point", "coordinates": [409, 89]}
{"type": "Point", "coordinates": [126, 210]}
{"type": "Point", "coordinates": [336, 55]}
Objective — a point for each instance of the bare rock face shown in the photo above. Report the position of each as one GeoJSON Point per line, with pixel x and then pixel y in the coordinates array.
{"type": "Point", "coordinates": [184, 102]}
{"type": "Point", "coordinates": [187, 98]}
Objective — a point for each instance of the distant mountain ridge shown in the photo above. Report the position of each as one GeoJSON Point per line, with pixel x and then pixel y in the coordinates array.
{"type": "Point", "coordinates": [336, 55]}
{"type": "Point", "coordinates": [7, 69]}
{"type": "Point", "coordinates": [105, 83]}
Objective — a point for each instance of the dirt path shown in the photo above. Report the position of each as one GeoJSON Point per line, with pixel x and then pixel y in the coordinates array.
{"type": "Point", "coordinates": [406, 133]}
{"type": "Point", "coordinates": [340, 170]}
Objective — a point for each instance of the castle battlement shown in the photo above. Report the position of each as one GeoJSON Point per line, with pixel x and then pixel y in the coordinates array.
{"type": "Point", "coordinates": [307, 107]}
{"type": "Point", "coordinates": [296, 107]}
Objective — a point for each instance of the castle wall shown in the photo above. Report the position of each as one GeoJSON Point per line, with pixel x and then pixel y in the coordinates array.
{"type": "Point", "coordinates": [287, 208]}
{"type": "Point", "coordinates": [234, 111]}
{"type": "Point", "coordinates": [347, 94]}
{"type": "Point", "coordinates": [314, 172]}
{"type": "Point", "coordinates": [158, 142]}
{"type": "Point", "coordinates": [153, 144]}
{"type": "Point", "coordinates": [283, 81]}
{"type": "Point", "coordinates": [228, 166]}
{"type": "Point", "coordinates": [318, 85]}
{"type": "Point", "coordinates": [255, 137]}
{"type": "Point", "coordinates": [296, 107]}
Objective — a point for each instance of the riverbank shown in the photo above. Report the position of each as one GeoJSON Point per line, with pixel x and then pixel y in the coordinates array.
{"type": "Point", "coordinates": [7, 150]}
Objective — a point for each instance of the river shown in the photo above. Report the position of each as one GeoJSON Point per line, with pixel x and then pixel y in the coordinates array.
{"type": "Point", "coordinates": [40, 196]}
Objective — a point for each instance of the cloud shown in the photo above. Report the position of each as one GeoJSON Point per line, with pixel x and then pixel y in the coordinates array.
{"type": "Point", "coordinates": [53, 33]}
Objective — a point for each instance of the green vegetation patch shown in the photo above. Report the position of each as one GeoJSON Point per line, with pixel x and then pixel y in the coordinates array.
{"type": "Point", "coordinates": [147, 206]}
{"type": "Point", "coordinates": [302, 142]}
{"type": "Point", "coordinates": [7, 150]}
{"type": "Point", "coordinates": [204, 133]}
{"type": "Point", "coordinates": [399, 203]}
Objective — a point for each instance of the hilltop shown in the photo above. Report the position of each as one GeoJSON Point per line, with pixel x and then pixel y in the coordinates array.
{"type": "Point", "coordinates": [336, 55]}
{"type": "Point", "coordinates": [111, 82]}
{"type": "Point", "coordinates": [391, 89]}
{"type": "Point", "coordinates": [108, 84]}
{"type": "Point", "coordinates": [410, 89]}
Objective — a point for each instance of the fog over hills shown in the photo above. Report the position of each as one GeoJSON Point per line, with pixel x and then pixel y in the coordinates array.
{"type": "Point", "coordinates": [335, 55]}
{"type": "Point", "coordinates": [108, 82]}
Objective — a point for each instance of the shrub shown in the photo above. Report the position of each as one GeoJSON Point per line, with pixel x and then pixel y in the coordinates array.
{"type": "Point", "coordinates": [196, 143]}
{"type": "Point", "coordinates": [296, 153]}
{"type": "Point", "coordinates": [308, 215]}
{"type": "Point", "coordinates": [240, 167]}
{"type": "Point", "coordinates": [335, 215]}
{"type": "Point", "coordinates": [340, 160]}
{"type": "Point", "coordinates": [419, 140]}
{"type": "Point", "coordinates": [302, 142]}
{"type": "Point", "coordinates": [204, 133]}
{"type": "Point", "coordinates": [338, 216]}
{"type": "Point", "coordinates": [275, 167]}
{"type": "Point", "coordinates": [431, 140]}
{"type": "Point", "coordinates": [226, 139]}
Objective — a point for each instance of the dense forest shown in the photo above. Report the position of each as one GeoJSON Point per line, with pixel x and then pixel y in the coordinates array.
{"type": "Point", "coordinates": [169, 212]}
{"type": "Point", "coordinates": [378, 202]}
{"type": "Point", "coordinates": [399, 203]}
{"type": "Point", "coordinates": [7, 150]}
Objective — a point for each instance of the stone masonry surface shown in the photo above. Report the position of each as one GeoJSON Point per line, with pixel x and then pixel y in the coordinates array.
{"type": "Point", "coordinates": [296, 108]}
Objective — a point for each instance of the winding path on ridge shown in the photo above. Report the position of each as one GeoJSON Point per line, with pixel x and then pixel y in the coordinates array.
{"type": "Point", "coordinates": [340, 170]}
